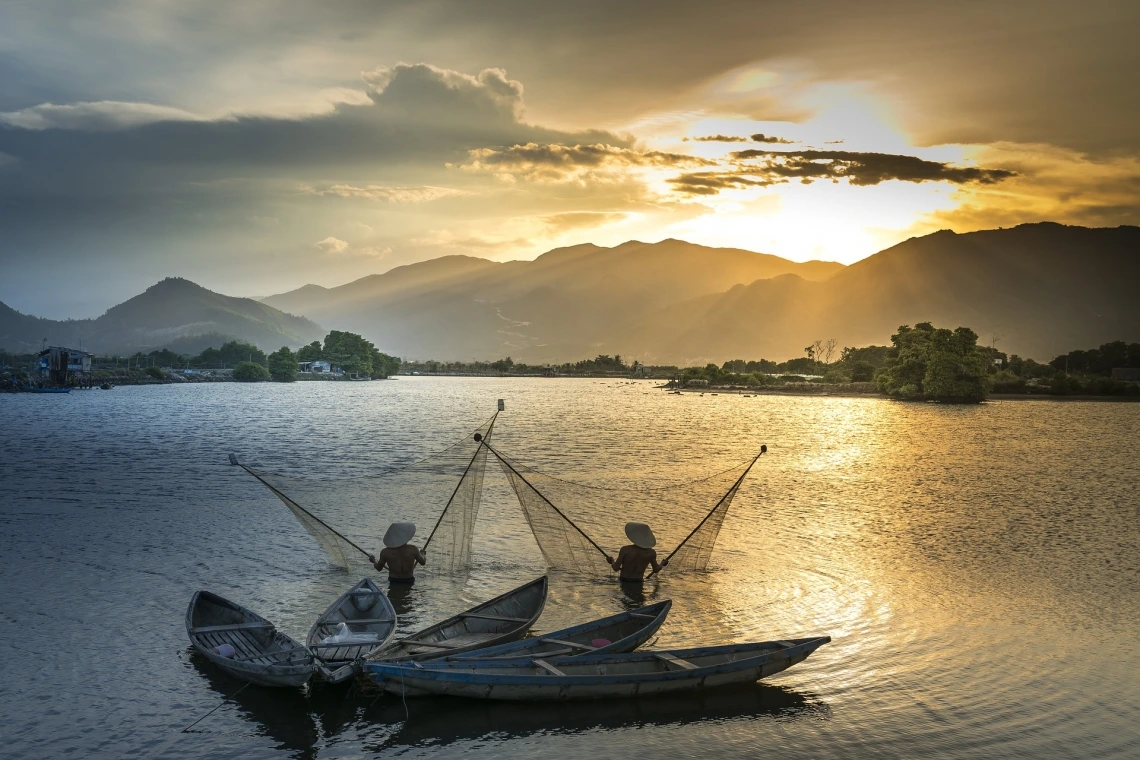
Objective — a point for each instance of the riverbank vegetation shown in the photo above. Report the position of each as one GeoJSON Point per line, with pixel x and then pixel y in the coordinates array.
{"type": "Point", "coordinates": [923, 362]}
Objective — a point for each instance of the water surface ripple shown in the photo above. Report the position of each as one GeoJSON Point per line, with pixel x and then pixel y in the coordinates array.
{"type": "Point", "coordinates": [977, 567]}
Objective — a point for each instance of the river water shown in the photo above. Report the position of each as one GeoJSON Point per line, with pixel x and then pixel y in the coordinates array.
{"type": "Point", "coordinates": [978, 569]}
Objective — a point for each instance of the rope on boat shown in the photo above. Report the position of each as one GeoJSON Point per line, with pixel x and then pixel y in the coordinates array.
{"type": "Point", "coordinates": [227, 699]}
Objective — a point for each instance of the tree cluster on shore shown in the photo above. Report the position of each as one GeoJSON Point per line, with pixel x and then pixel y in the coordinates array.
{"type": "Point", "coordinates": [601, 365]}
{"type": "Point", "coordinates": [922, 363]}
{"type": "Point", "coordinates": [928, 363]}
{"type": "Point", "coordinates": [241, 361]}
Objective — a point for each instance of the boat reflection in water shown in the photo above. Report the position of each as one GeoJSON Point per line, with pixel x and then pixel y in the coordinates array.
{"type": "Point", "coordinates": [303, 721]}
{"type": "Point", "coordinates": [440, 721]}
{"type": "Point", "coordinates": [281, 715]}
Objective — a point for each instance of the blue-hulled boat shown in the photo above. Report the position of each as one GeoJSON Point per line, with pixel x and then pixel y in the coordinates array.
{"type": "Point", "coordinates": [595, 676]}
{"type": "Point", "coordinates": [625, 632]}
{"type": "Point", "coordinates": [505, 618]}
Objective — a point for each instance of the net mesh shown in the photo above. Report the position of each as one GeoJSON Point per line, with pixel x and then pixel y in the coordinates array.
{"type": "Point", "coordinates": [696, 551]}
{"type": "Point", "coordinates": [441, 493]}
{"type": "Point", "coordinates": [576, 525]}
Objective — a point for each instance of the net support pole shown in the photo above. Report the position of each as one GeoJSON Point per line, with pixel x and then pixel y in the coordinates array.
{"type": "Point", "coordinates": [459, 485]}
{"type": "Point", "coordinates": [283, 497]}
{"type": "Point", "coordinates": [542, 496]}
{"type": "Point", "coordinates": [735, 485]}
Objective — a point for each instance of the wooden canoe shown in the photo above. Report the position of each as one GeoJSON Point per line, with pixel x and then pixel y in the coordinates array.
{"type": "Point", "coordinates": [596, 676]}
{"type": "Point", "coordinates": [364, 610]}
{"type": "Point", "coordinates": [505, 618]}
{"type": "Point", "coordinates": [262, 654]}
{"type": "Point", "coordinates": [626, 631]}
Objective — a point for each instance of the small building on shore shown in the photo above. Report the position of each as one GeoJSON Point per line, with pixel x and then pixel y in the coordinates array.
{"type": "Point", "coordinates": [59, 364]}
{"type": "Point", "coordinates": [317, 365]}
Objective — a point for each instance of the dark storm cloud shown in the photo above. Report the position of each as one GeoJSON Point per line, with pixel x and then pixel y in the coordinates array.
{"type": "Point", "coordinates": [712, 183]}
{"type": "Point", "coordinates": [864, 168]}
{"type": "Point", "coordinates": [762, 168]}
{"type": "Point", "coordinates": [760, 137]}
{"type": "Point", "coordinates": [61, 161]}
{"type": "Point", "coordinates": [565, 159]}
{"type": "Point", "coordinates": [717, 138]}
{"type": "Point", "coordinates": [970, 72]}
{"type": "Point", "coordinates": [415, 112]}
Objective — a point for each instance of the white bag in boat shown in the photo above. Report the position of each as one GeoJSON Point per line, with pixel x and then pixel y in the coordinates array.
{"type": "Point", "coordinates": [345, 636]}
{"type": "Point", "coordinates": [224, 650]}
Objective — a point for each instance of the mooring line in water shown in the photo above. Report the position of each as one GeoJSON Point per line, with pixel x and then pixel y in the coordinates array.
{"type": "Point", "coordinates": [227, 699]}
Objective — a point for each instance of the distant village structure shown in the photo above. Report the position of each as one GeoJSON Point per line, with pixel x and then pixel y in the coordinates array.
{"type": "Point", "coordinates": [59, 365]}
{"type": "Point", "coordinates": [319, 367]}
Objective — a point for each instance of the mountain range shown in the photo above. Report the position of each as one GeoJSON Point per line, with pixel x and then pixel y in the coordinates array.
{"type": "Point", "coordinates": [1037, 290]}
{"type": "Point", "coordinates": [175, 314]}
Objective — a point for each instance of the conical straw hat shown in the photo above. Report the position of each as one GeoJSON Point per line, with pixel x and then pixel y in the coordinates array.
{"type": "Point", "coordinates": [399, 534]}
{"type": "Point", "coordinates": [640, 535]}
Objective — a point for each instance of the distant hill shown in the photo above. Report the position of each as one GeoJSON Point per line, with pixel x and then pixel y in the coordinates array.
{"type": "Point", "coordinates": [173, 313]}
{"type": "Point", "coordinates": [567, 303]}
{"type": "Point", "coordinates": [1041, 289]}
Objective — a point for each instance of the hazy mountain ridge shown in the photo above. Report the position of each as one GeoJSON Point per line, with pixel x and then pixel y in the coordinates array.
{"type": "Point", "coordinates": [174, 312]}
{"type": "Point", "coordinates": [1042, 289]}
{"type": "Point", "coordinates": [566, 303]}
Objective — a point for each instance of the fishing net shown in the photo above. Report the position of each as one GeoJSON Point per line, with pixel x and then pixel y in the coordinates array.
{"type": "Point", "coordinates": [348, 516]}
{"type": "Point", "coordinates": [576, 525]}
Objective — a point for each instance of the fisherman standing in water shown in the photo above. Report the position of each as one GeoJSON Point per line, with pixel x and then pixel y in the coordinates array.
{"type": "Point", "coordinates": [398, 555]}
{"type": "Point", "coordinates": [633, 559]}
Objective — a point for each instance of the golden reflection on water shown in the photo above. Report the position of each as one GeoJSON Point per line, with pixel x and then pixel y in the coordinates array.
{"type": "Point", "coordinates": [978, 568]}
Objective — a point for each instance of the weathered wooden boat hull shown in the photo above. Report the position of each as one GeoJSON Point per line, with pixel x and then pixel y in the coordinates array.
{"type": "Point", "coordinates": [263, 655]}
{"type": "Point", "coordinates": [626, 631]}
{"type": "Point", "coordinates": [505, 618]}
{"type": "Point", "coordinates": [606, 676]}
{"type": "Point", "coordinates": [364, 609]}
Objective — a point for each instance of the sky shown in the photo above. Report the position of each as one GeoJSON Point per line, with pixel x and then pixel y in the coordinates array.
{"type": "Point", "coordinates": [256, 146]}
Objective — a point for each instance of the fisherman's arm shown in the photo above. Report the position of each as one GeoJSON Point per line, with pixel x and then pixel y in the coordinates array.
{"type": "Point", "coordinates": [617, 563]}
{"type": "Point", "coordinates": [653, 561]}
{"type": "Point", "coordinates": [379, 562]}
{"type": "Point", "coordinates": [421, 556]}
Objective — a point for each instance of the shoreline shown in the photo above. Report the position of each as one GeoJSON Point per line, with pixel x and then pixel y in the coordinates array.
{"type": "Point", "coordinates": [842, 393]}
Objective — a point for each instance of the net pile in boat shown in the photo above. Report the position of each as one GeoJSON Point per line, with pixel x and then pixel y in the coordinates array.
{"type": "Point", "coordinates": [576, 525]}
{"type": "Point", "coordinates": [348, 516]}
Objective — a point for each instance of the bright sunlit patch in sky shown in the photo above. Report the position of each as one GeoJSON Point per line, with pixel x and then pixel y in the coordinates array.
{"type": "Point", "coordinates": [835, 221]}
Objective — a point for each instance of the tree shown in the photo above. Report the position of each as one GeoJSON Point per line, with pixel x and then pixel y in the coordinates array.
{"type": "Point", "coordinates": [283, 365]}
{"type": "Point", "coordinates": [383, 365]}
{"type": "Point", "coordinates": [862, 372]}
{"type": "Point", "coordinates": [350, 351]}
{"type": "Point", "coordinates": [503, 365]}
{"type": "Point", "coordinates": [937, 364]}
{"type": "Point", "coordinates": [310, 353]}
{"type": "Point", "coordinates": [155, 372]}
{"type": "Point", "coordinates": [826, 350]}
{"type": "Point", "coordinates": [230, 354]}
{"type": "Point", "coordinates": [250, 372]}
